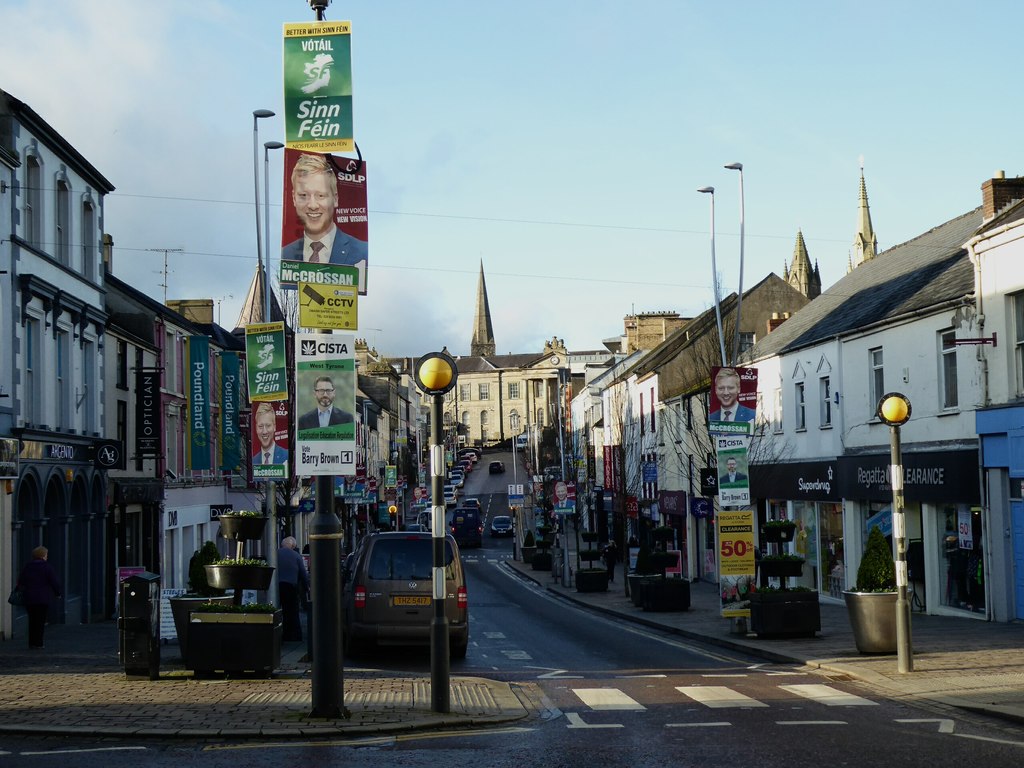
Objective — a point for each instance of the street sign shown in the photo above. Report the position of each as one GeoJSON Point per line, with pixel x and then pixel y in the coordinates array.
{"type": "Point", "coordinates": [515, 489]}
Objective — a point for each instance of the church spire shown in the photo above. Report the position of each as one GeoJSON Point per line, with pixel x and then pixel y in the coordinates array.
{"type": "Point", "coordinates": [802, 275]}
{"type": "Point", "coordinates": [865, 244]}
{"type": "Point", "coordinates": [483, 333]}
{"type": "Point", "coordinates": [254, 304]}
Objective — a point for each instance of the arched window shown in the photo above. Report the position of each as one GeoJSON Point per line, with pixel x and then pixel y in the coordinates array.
{"type": "Point", "coordinates": [33, 209]}
{"type": "Point", "coordinates": [62, 241]}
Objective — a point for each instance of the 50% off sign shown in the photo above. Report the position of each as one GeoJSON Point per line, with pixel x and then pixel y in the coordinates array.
{"type": "Point", "coordinates": [736, 542]}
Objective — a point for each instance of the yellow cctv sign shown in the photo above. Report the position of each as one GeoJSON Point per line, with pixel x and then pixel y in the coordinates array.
{"type": "Point", "coordinates": [328, 306]}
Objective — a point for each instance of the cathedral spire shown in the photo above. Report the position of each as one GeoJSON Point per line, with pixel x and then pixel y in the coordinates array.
{"type": "Point", "coordinates": [802, 275]}
{"type": "Point", "coordinates": [483, 333]}
{"type": "Point", "coordinates": [865, 244]}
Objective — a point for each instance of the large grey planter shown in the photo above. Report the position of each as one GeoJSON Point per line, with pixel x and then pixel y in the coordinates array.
{"type": "Point", "coordinates": [873, 620]}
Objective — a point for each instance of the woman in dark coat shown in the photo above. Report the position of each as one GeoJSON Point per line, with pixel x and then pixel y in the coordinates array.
{"type": "Point", "coordinates": [40, 585]}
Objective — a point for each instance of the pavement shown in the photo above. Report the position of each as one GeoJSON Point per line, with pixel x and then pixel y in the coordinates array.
{"type": "Point", "coordinates": [75, 685]}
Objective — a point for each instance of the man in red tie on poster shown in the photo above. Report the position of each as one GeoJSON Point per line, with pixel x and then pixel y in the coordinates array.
{"type": "Point", "coordinates": [315, 198]}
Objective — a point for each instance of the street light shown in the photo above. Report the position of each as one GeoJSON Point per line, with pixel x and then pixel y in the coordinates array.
{"type": "Point", "coordinates": [714, 273]}
{"type": "Point", "coordinates": [257, 115]}
{"type": "Point", "coordinates": [894, 410]}
{"type": "Point", "coordinates": [739, 295]}
{"type": "Point", "coordinates": [436, 374]}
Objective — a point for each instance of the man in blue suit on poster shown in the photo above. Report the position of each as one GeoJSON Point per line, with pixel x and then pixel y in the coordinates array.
{"type": "Point", "coordinates": [269, 452]}
{"type": "Point", "coordinates": [315, 198]}
{"type": "Point", "coordinates": [727, 390]}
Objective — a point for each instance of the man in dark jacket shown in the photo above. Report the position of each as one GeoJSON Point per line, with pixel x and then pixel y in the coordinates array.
{"type": "Point", "coordinates": [292, 582]}
{"type": "Point", "coordinates": [40, 585]}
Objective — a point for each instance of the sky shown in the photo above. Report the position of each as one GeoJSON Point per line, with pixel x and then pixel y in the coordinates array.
{"type": "Point", "coordinates": [559, 144]}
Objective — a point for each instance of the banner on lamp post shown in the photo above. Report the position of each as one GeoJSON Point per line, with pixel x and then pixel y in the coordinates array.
{"type": "Point", "coordinates": [325, 397]}
{"type": "Point", "coordinates": [736, 560]}
{"type": "Point", "coordinates": [265, 362]}
{"type": "Point", "coordinates": [198, 387]}
{"type": "Point", "coordinates": [318, 86]}
{"type": "Point", "coordinates": [230, 383]}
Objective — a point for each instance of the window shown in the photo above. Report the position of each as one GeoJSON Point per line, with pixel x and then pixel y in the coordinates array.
{"type": "Point", "coordinates": [62, 246]}
{"type": "Point", "coordinates": [876, 385]}
{"type": "Point", "coordinates": [30, 393]}
{"type": "Point", "coordinates": [90, 259]}
{"type": "Point", "coordinates": [484, 391]}
{"type": "Point", "coordinates": [652, 410]}
{"type": "Point", "coordinates": [947, 372]}
{"type": "Point", "coordinates": [777, 412]}
{"type": "Point", "coordinates": [513, 421]}
{"type": "Point", "coordinates": [1018, 340]}
{"type": "Point", "coordinates": [122, 364]}
{"type": "Point", "coordinates": [746, 341]}
{"type": "Point", "coordinates": [798, 407]}
{"type": "Point", "coordinates": [172, 443]}
{"type": "Point", "coordinates": [513, 390]}
{"type": "Point", "coordinates": [540, 417]}
{"type": "Point", "coordinates": [641, 413]}
{"type": "Point", "coordinates": [689, 413]}
{"type": "Point", "coordinates": [825, 391]}
{"type": "Point", "coordinates": [33, 209]}
{"type": "Point", "coordinates": [122, 423]}
{"type": "Point", "coordinates": [89, 390]}
{"type": "Point", "coordinates": [171, 362]}
{"type": "Point", "coordinates": [465, 391]}
{"type": "Point", "coordinates": [61, 398]}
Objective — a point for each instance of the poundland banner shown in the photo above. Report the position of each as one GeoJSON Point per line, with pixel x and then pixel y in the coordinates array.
{"type": "Point", "coordinates": [230, 435]}
{"type": "Point", "coordinates": [325, 399]}
{"type": "Point", "coordinates": [265, 362]}
{"type": "Point", "coordinates": [318, 86]}
{"type": "Point", "coordinates": [198, 445]}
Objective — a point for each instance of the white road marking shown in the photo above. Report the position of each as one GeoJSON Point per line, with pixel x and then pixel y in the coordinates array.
{"type": "Point", "coordinates": [945, 724]}
{"type": "Point", "coordinates": [718, 696]}
{"type": "Point", "coordinates": [494, 635]}
{"type": "Point", "coordinates": [575, 721]}
{"type": "Point", "coordinates": [725, 675]}
{"type": "Point", "coordinates": [518, 655]}
{"type": "Point", "coordinates": [638, 677]}
{"type": "Point", "coordinates": [720, 724]}
{"type": "Point", "coordinates": [829, 696]}
{"type": "Point", "coordinates": [607, 699]}
{"type": "Point", "coordinates": [79, 751]}
{"type": "Point", "coordinates": [811, 722]}
{"type": "Point", "coordinates": [556, 674]}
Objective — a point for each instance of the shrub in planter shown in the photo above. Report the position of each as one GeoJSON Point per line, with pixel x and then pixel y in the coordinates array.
{"type": "Point", "coordinates": [529, 548]}
{"type": "Point", "coordinates": [663, 535]}
{"type": "Point", "coordinates": [778, 531]}
{"type": "Point", "coordinates": [198, 583]}
{"type": "Point", "coordinates": [781, 565]}
{"type": "Point", "coordinates": [877, 571]}
{"type": "Point", "coordinates": [662, 560]}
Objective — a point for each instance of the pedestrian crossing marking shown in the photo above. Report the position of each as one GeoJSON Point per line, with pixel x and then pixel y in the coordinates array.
{"type": "Point", "coordinates": [718, 696]}
{"type": "Point", "coordinates": [607, 699]}
{"type": "Point", "coordinates": [575, 721]}
{"type": "Point", "coordinates": [829, 696]}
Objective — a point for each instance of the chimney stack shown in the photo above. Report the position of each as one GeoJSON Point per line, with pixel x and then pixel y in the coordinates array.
{"type": "Point", "coordinates": [998, 192]}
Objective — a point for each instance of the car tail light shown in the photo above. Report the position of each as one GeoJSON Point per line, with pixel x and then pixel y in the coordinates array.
{"type": "Point", "coordinates": [461, 598]}
{"type": "Point", "coordinates": [360, 597]}
{"type": "Point", "coordinates": [480, 529]}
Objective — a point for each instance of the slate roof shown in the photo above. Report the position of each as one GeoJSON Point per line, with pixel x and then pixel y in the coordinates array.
{"type": "Point", "coordinates": [480, 364]}
{"type": "Point", "coordinates": [916, 276]}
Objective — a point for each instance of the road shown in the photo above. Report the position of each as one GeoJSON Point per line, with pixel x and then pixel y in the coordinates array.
{"type": "Point", "coordinates": [602, 693]}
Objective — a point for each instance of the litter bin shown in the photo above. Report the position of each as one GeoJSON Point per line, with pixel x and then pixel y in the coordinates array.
{"type": "Point", "coordinates": [139, 625]}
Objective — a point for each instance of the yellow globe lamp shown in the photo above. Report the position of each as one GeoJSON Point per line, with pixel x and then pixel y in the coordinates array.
{"type": "Point", "coordinates": [436, 373]}
{"type": "Point", "coordinates": [894, 409]}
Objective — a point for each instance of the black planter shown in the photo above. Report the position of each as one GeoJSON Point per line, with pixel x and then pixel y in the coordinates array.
{"type": "Point", "coordinates": [239, 576]}
{"type": "Point", "coordinates": [527, 553]}
{"type": "Point", "coordinates": [591, 580]}
{"type": "Point", "coordinates": [636, 587]}
{"type": "Point", "coordinates": [770, 567]}
{"type": "Point", "coordinates": [660, 595]}
{"type": "Point", "coordinates": [784, 613]}
{"type": "Point", "coordinates": [239, 528]}
{"type": "Point", "coordinates": [778, 534]}
{"type": "Point", "coordinates": [181, 607]}
{"type": "Point", "coordinates": [234, 643]}
{"type": "Point", "coordinates": [541, 561]}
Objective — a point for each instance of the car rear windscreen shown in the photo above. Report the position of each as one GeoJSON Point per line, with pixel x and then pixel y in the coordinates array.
{"type": "Point", "coordinates": [405, 559]}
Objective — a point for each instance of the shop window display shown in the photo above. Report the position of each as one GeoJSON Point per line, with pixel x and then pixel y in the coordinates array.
{"type": "Point", "coordinates": [960, 537]}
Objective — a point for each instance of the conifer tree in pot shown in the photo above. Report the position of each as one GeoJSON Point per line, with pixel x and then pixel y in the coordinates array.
{"type": "Point", "coordinates": [199, 591]}
{"type": "Point", "coordinates": [871, 604]}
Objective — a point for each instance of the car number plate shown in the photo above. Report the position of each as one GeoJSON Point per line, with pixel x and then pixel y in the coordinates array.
{"type": "Point", "coordinates": [411, 599]}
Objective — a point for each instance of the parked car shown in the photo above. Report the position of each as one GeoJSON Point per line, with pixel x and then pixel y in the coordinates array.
{"type": "Point", "coordinates": [496, 467]}
{"type": "Point", "coordinates": [451, 495]}
{"type": "Point", "coordinates": [456, 478]}
{"type": "Point", "coordinates": [465, 526]}
{"type": "Point", "coordinates": [501, 525]}
{"type": "Point", "coordinates": [388, 595]}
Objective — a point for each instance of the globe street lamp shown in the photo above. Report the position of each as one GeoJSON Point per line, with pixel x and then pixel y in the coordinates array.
{"type": "Point", "coordinates": [436, 374]}
{"type": "Point", "coordinates": [714, 274]}
{"type": "Point", "coordinates": [894, 409]}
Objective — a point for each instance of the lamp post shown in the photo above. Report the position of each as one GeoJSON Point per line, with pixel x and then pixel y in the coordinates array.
{"type": "Point", "coordinates": [257, 115]}
{"type": "Point", "coordinates": [739, 295]}
{"type": "Point", "coordinates": [714, 274]}
{"type": "Point", "coordinates": [894, 410]}
{"type": "Point", "coordinates": [436, 374]}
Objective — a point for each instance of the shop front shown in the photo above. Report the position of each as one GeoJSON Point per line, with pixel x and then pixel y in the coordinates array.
{"type": "Point", "coordinates": [673, 505]}
{"type": "Point", "coordinates": [807, 493]}
{"type": "Point", "coordinates": [945, 524]}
